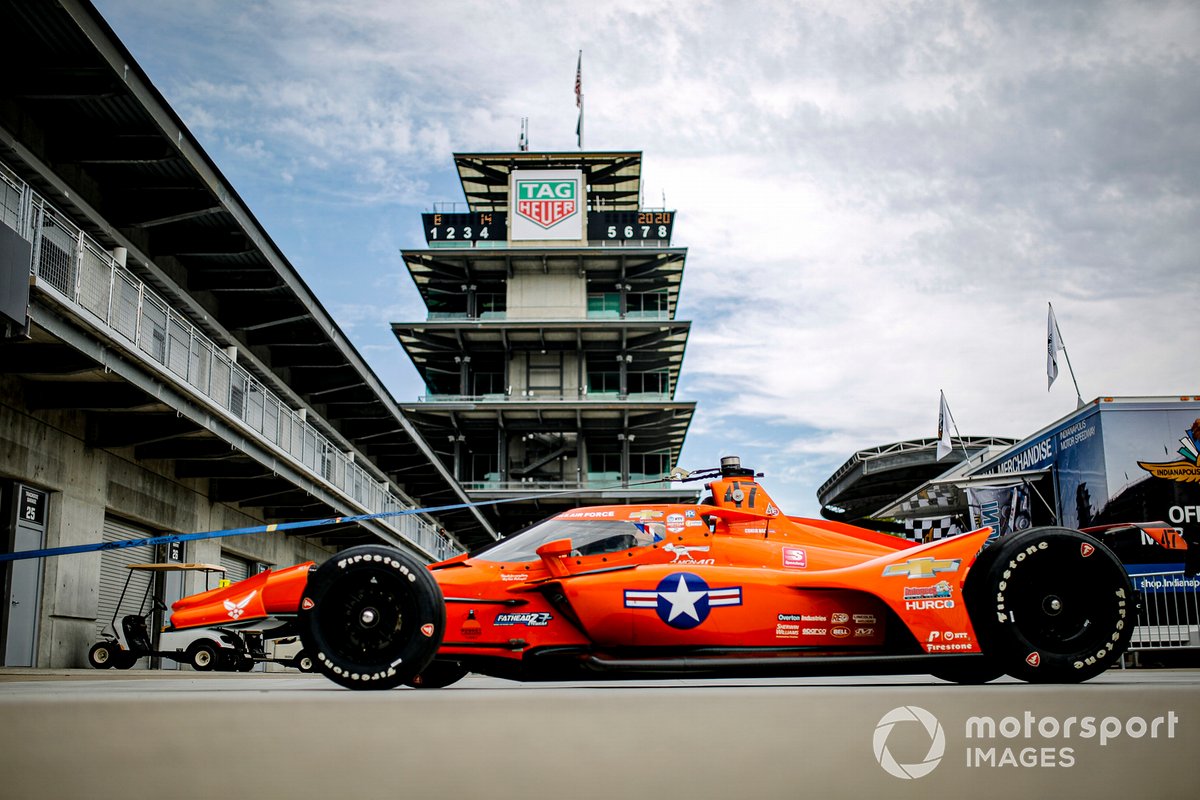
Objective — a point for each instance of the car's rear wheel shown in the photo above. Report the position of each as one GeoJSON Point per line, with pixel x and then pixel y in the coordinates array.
{"type": "Point", "coordinates": [438, 675]}
{"type": "Point", "coordinates": [372, 617]}
{"type": "Point", "coordinates": [1051, 605]}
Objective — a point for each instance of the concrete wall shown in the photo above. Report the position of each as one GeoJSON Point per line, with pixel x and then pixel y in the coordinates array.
{"type": "Point", "coordinates": [47, 450]}
{"type": "Point", "coordinates": [517, 377]}
{"type": "Point", "coordinates": [534, 294]}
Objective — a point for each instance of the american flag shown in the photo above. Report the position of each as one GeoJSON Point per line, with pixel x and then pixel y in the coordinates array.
{"type": "Point", "coordinates": [579, 81]}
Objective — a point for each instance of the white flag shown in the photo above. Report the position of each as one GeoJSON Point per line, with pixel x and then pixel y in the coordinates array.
{"type": "Point", "coordinates": [1053, 345]}
{"type": "Point", "coordinates": [943, 446]}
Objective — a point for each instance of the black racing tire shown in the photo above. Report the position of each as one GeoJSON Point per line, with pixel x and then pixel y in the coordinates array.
{"type": "Point", "coordinates": [438, 675]}
{"type": "Point", "coordinates": [104, 655]}
{"type": "Point", "coordinates": [967, 670]}
{"type": "Point", "coordinates": [303, 661]}
{"type": "Point", "coordinates": [1051, 605]}
{"type": "Point", "coordinates": [204, 655]}
{"type": "Point", "coordinates": [372, 617]}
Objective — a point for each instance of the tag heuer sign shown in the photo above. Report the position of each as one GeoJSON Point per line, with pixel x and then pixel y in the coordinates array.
{"type": "Point", "coordinates": [546, 204]}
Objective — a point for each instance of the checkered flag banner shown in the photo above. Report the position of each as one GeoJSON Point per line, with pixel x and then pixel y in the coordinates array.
{"type": "Point", "coordinates": [930, 529]}
{"type": "Point", "coordinates": [931, 497]}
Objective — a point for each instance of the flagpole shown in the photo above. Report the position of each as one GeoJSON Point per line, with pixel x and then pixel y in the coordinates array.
{"type": "Point", "coordinates": [1070, 369]}
{"type": "Point", "coordinates": [954, 422]}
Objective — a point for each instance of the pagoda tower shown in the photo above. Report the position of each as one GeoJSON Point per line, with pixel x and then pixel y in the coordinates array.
{"type": "Point", "coordinates": [551, 352]}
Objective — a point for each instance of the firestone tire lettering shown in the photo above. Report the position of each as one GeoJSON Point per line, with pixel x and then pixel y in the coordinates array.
{"type": "Point", "coordinates": [1051, 605]}
{"type": "Point", "coordinates": [376, 618]}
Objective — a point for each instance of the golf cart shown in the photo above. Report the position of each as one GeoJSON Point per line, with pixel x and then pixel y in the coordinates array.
{"type": "Point", "coordinates": [227, 647]}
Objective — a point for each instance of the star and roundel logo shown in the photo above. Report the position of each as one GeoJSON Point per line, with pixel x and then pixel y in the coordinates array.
{"type": "Point", "coordinates": [927, 728]}
{"type": "Point", "coordinates": [683, 599]}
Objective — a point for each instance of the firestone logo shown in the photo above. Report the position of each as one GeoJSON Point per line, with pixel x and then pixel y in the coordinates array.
{"type": "Point", "coordinates": [932, 729]}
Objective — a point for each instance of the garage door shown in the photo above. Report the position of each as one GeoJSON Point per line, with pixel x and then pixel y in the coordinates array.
{"type": "Point", "coordinates": [113, 572]}
{"type": "Point", "coordinates": [236, 568]}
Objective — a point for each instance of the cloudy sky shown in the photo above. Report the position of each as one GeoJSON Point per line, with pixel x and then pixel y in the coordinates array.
{"type": "Point", "coordinates": [879, 198]}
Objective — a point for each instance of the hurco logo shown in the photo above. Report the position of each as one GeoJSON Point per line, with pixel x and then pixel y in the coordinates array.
{"type": "Point", "coordinates": [546, 202]}
{"type": "Point", "coordinates": [922, 567]}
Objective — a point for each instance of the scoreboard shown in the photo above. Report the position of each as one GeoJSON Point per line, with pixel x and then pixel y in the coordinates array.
{"type": "Point", "coordinates": [475, 226]}
{"type": "Point", "coordinates": [488, 226]}
{"type": "Point", "coordinates": [631, 225]}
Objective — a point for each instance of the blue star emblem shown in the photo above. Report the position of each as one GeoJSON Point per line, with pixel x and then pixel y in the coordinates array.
{"type": "Point", "coordinates": [682, 599]}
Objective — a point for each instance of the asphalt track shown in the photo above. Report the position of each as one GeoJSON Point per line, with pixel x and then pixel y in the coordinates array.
{"type": "Point", "coordinates": [82, 733]}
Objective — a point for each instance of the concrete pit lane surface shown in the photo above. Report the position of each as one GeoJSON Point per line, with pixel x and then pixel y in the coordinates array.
{"type": "Point", "coordinates": [80, 733]}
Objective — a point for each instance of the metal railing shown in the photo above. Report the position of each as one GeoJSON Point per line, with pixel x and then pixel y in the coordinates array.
{"type": "Point", "coordinates": [83, 275]}
{"type": "Point", "coordinates": [602, 482]}
{"type": "Point", "coordinates": [1170, 613]}
{"type": "Point", "coordinates": [574, 397]}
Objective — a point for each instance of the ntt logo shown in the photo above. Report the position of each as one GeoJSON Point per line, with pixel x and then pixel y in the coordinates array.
{"type": "Point", "coordinates": [931, 727]}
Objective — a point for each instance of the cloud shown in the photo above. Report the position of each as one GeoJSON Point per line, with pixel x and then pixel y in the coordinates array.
{"type": "Point", "coordinates": [878, 198]}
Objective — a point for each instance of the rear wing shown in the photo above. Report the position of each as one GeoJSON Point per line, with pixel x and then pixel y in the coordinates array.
{"type": "Point", "coordinates": [1165, 536]}
{"type": "Point", "coordinates": [1162, 534]}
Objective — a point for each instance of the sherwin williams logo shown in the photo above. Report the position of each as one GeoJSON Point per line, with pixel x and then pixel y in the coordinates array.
{"type": "Point", "coordinates": [1186, 469]}
{"type": "Point", "coordinates": [546, 202]}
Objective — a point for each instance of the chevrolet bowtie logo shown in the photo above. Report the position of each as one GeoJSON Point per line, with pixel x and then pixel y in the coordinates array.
{"type": "Point", "coordinates": [922, 567]}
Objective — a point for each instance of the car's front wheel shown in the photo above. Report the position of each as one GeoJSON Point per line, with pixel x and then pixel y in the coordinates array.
{"type": "Point", "coordinates": [1051, 605]}
{"type": "Point", "coordinates": [372, 617]}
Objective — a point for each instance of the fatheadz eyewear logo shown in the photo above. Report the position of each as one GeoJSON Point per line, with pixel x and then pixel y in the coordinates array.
{"type": "Point", "coordinates": [932, 731]}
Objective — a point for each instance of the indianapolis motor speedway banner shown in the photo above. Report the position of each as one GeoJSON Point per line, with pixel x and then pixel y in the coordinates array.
{"type": "Point", "coordinates": [1005, 508]}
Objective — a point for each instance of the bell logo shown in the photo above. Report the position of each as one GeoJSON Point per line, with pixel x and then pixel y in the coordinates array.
{"type": "Point", "coordinates": [1034, 659]}
{"type": "Point", "coordinates": [931, 728]}
{"type": "Point", "coordinates": [1086, 549]}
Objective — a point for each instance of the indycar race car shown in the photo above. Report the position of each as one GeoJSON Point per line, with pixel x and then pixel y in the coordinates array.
{"type": "Point", "coordinates": [730, 587]}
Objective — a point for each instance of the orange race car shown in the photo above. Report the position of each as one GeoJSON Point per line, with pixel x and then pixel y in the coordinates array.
{"type": "Point", "coordinates": [730, 587]}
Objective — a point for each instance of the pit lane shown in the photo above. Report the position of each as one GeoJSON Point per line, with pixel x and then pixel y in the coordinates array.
{"type": "Point", "coordinates": [81, 733]}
